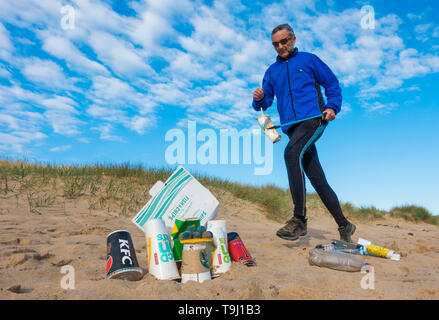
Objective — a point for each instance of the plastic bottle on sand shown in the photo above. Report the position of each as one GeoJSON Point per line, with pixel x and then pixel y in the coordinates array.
{"type": "Point", "coordinates": [382, 252]}
{"type": "Point", "coordinates": [345, 245]}
{"type": "Point", "coordinates": [378, 251]}
{"type": "Point", "coordinates": [336, 260]}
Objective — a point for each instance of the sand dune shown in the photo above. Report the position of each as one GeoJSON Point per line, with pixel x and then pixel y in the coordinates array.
{"type": "Point", "coordinates": [34, 247]}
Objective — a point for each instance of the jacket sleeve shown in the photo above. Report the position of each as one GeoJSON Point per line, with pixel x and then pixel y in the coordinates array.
{"type": "Point", "coordinates": [328, 80]}
{"type": "Point", "coordinates": [267, 101]}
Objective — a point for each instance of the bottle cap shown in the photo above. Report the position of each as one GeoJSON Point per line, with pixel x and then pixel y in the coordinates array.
{"type": "Point", "coordinates": [394, 256]}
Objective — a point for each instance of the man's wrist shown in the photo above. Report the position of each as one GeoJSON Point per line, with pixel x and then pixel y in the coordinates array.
{"type": "Point", "coordinates": [333, 109]}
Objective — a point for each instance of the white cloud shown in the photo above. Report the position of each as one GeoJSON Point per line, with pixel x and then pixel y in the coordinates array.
{"type": "Point", "coordinates": [383, 108]}
{"type": "Point", "coordinates": [173, 92]}
{"type": "Point", "coordinates": [111, 89]}
{"type": "Point", "coordinates": [14, 141]}
{"type": "Point", "coordinates": [118, 54]}
{"type": "Point", "coordinates": [411, 88]}
{"type": "Point", "coordinates": [209, 59]}
{"type": "Point", "coordinates": [105, 133]}
{"type": "Point", "coordinates": [249, 60]}
{"type": "Point", "coordinates": [22, 119]}
{"type": "Point", "coordinates": [6, 46]}
{"type": "Point", "coordinates": [26, 14]}
{"type": "Point", "coordinates": [45, 72]}
{"type": "Point", "coordinates": [149, 29]}
{"type": "Point", "coordinates": [412, 16]}
{"type": "Point", "coordinates": [13, 94]}
{"type": "Point", "coordinates": [115, 101]}
{"type": "Point", "coordinates": [63, 49]}
{"type": "Point", "coordinates": [410, 64]}
{"type": "Point", "coordinates": [113, 92]}
{"type": "Point", "coordinates": [154, 25]}
{"type": "Point", "coordinates": [421, 31]}
{"type": "Point", "coordinates": [61, 112]}
{"type": "Point", "coordinates": [184, 65]}
{"type": "Point", "coordinates": [141, 124]}
{"type": "Point", "coordinates": [61, 148]}
{"type": "Point", "coordinates": [4, 73]}
{"type": "Point", "coordinates": [376, 61]}
{"type": "Point", "coordinates": [16, 117]}
{"type": "Point", "coordinates": [94, 15]}
{"type": "Point", "coordinates": [346, 108]}
{"type": "Point", "coordinates": [105, 113]}
{"type": "Point", "coordinates": [211, 37]}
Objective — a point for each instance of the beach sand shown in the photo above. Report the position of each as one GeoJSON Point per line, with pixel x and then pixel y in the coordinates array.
{"type": "Point", "coordinates": [34, 248]}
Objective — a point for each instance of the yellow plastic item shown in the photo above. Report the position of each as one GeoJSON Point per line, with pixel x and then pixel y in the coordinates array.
{"type": "Point", "coordinates": [377, 251]}
{"type": "Point", "coordinates": [198, 240]}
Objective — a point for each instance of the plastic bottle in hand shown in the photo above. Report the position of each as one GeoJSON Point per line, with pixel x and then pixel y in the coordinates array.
{"type": "Point", "coordinates": [336, 260]}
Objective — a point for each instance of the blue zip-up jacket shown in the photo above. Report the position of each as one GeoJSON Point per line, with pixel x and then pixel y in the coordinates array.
{"type": "Point", "coordinates": [296, 84]}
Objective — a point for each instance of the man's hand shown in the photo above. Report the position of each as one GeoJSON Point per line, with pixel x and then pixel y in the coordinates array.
{"type": "Point", "coordinates": [330, 114]}
{"type": "Point", "coordinates": [258, 95]}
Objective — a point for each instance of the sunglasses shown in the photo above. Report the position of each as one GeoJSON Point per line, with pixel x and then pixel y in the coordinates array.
{"type": "Point", "coordinates": [283, 42]}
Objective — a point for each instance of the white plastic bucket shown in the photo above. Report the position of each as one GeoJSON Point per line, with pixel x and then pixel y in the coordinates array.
{"type": "Point", "coordinates": [161, 262]}
{"type": "Point", "coordinates": [221, 258]}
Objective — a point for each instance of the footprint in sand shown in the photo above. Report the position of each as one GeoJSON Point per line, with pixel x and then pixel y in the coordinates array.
{"type": "Point", "coordinates": [62, 262]}
{"type": "Point", "coordinates": [18, 241]}
{"type": "Point", "coordinates": [19, 257]}
{"type": "Point", "coordinates": [18, 289]}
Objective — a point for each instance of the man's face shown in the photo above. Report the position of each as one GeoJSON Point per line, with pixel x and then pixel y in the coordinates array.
{"type": "Point", "coordinates": [285, 49]}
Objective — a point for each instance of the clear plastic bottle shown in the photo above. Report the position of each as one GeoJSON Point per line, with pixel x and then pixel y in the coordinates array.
{"type": "Point", "coordinates": [336, 260]}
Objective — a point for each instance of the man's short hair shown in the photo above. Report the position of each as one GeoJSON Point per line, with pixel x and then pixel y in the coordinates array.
{"type": "Point", "coordinates": [284, 26]}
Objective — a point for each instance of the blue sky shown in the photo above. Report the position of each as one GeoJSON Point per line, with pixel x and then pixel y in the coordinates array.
{"type": "Point", "coordinates": [106, 85]}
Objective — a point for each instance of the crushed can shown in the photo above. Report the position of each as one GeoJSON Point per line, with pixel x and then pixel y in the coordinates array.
{"type": "Point", "coordinates": [237, 250]}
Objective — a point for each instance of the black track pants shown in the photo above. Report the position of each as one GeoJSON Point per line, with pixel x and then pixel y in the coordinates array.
{"type": "Point", "coordinates": [301, 156]}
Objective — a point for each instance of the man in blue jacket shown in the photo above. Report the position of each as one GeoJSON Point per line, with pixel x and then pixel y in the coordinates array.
{"type": "Point", "coordinates": [295, 79]}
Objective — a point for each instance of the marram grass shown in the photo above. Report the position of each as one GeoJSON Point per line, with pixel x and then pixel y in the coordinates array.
{"type": "Point", "coordinates": [125, 188]}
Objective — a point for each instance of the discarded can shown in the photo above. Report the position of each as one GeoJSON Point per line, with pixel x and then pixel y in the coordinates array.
{"type": "Point", "coordinates": [121, 257]}
{"type": "Point", "coordinates": [238, 251]}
